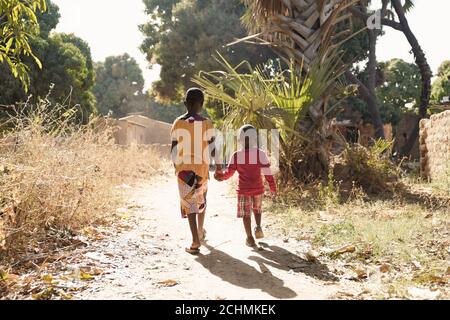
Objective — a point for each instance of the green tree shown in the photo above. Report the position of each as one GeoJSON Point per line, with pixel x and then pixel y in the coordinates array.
{"type": "Point", "coordinates": [441, 86]}
{"type": "Point", "coordinates": [444, 68]}
{"type": "Point", "coordinates": [18, 22]}
{"type": "Point", "coordinates": [67, 64]}
{"type": "Point", "coordinates": [184, 35]}
{"type": "Point", "coordinates": [401, 87]}
{"type": "Point", "coordinates": [162, 112]}
{"type": "Point", "coordinates": [398, 84]}
{"type": "Point", "coordinates": [119, 86]}
{"type": "Point", "coordinates": [67, 67]}
{"type": "Point", "coordinates": [441, 89]}
{"type": "Point", "coordinates": [49, 19]}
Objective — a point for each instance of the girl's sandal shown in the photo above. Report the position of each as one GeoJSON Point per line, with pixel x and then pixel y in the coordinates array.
{"type": "Point", "coordinates": [251, 244]}
{"type": "Point", "coordinates": [193, 251]}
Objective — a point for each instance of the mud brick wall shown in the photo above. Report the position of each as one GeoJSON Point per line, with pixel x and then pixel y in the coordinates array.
{"type": "Point", "coordinates": [435, 145]}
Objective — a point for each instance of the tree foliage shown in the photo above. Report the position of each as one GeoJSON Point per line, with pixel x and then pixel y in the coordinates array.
{"type": "Point", "coordinates": [67, 68]}
{"type": "Point", "coordinates": [18, 22]}
{"type": "Point", "coordinates": [119, 86]}
{"type": "Point", "coordinates": [441, 86]}
{"type": "Point", "coordinates": [164, 112]}
{"type": "Point", "coordinates": [401, 88]}
{"type": "Point", "coordinates": [444, 68]}
{"type": "Point", "coordinates": [49, 19]}
{"type": "Point", "coordinates": [184, 35]}
{"type": "Point", "coordinates": [398, 87]}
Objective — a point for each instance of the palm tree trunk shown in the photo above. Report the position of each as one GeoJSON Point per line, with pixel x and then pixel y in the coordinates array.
{"type": "Point", "coordinates": [316, 161]}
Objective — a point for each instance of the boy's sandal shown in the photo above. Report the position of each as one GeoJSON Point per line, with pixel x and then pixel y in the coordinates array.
{"type": "Point", "coordinates": [193, 251]}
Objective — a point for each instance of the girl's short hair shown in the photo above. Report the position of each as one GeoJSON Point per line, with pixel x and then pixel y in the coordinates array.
{"type": "Point", "coordinates": [248, 135]}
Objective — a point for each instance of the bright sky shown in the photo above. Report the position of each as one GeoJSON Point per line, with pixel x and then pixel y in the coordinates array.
{"type": "Point", "coordinates": [111, 28]}
{"type": "Point", "coordinates": [429, 20]}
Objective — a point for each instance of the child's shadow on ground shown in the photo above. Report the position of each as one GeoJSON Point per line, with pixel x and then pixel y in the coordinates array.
{"type": "Point", "coordinates": [283, 259]}
{"type": "Point", "coordinates": [240, 274]}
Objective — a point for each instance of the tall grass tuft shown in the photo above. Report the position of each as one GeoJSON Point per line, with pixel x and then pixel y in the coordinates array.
{"type": "Point", "coordinates": [369, 167]}
{"type": "Point", "coordinates": [57, 176]}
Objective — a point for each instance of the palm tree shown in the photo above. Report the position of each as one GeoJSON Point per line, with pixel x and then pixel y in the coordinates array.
{"type": "Point", "coordinates": [305, 32]}
{"type": "Point", "coordinates": [300, 29]}
{"type": "Point", "coordinates": [297, 29]}
{"type": "Point", "coordinates": [282, 100]}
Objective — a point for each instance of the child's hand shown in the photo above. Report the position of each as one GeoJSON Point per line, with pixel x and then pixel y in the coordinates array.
{"type": "Point", "coordinates": [218, 176]}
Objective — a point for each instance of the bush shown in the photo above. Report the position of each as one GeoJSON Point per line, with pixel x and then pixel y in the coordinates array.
{"type": "Point", "coordinates": [370, 168]}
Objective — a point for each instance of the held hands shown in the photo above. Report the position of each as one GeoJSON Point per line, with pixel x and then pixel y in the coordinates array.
{"type": "Point", "coordinates": [218, 175]}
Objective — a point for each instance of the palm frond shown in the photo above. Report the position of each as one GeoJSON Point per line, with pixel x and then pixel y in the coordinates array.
{"type": "Point", "coordinates": [408, 5]}
{"type": "Point", "coordinates": [298, 29]}
{"type": "Point", "coordinates": [276, 100]}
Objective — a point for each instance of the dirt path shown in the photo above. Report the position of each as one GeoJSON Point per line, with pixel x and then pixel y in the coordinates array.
{"type": "Point", "coordinates": [138, 260]}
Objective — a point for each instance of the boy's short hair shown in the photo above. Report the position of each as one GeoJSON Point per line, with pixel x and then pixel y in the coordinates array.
{"type": "Point", "coordinates": [194, 96]}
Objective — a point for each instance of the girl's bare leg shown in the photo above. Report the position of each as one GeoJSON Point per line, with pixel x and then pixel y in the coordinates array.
{"type": "Point", "coordinates": [258, 219]}
{"type": "Point", "coordinates": [259, 234]}
{"type": "Point", "coordinates": [248, 230]}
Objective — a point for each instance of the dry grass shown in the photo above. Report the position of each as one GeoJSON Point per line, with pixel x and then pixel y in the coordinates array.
{"type": "Point", "coordinates": [57, 178]}
{"type": "Point", "coordinates": [405, 238]}
{"type": "Point", "coordinates": [443, 183]}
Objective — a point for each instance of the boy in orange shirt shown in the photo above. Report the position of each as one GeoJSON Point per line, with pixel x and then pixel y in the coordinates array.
{"type": "Point", "coordinates": [193, 143]}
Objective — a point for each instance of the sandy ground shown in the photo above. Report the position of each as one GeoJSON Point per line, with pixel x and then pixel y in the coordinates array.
{"type": "Point", "coordinates": [146, 259]}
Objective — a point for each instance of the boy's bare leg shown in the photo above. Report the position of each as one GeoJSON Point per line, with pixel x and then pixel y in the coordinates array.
{"type": "Point", "coordinates": [201, 222]}
{"type": "Point", "coordinates": [248, 230]}
{"type": "Point", "coordinates": [193, 225]}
